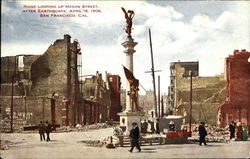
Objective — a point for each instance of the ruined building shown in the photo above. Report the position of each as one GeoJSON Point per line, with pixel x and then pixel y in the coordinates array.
{"type": "Point", "coordinates": [236, 106]}
{"type": "Point", "coordinates": [207, 92]}
{"type": "Point", "coordinates": [42, 84]}
{"type": "Point", "coordinates": [48, 87]}
{"type": "Point", "coordinates": [96, 99]}
{"type": "Point", "coordinates": [102, 98]}
{"type": "Point", "coordinates": [114, 84]}
{"type": "Point", "coordinates": [174, 70]}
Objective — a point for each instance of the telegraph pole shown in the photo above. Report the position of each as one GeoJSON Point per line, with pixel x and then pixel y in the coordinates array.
{"type": "Point", "coordinates": [190, 100]}
{"type": "Point", "coordinates": [12, 94]}
{"type": "Point", "coordinates": [25, 106]}
{"type": "Point", "coordinates": [153, 73]}
{"type": "Point", "coordinates": [159, 97]}
{"type": "Point", "coordinates": [75, 91]}
{"type": "Point", "coordinates": [12, 102]}
{"type": "Point", "coordinates": [162, 107]}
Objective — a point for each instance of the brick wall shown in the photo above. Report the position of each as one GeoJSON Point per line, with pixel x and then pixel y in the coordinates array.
{"type": "Point", "coordinates": [114, 82]}
{"type": "Point", "coordinates": [49, 72]}
{"type": "Point", "coordinates": [236, 106]}
{"type": "Point", "coordinates": [54, 71]}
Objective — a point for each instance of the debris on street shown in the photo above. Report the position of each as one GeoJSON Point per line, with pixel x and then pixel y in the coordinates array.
{"type": "Point", "coordinates": [84, 128]}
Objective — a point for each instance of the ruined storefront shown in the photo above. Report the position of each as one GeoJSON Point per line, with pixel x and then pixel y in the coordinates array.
{"type": "Point", "coordinates": [236, 106]}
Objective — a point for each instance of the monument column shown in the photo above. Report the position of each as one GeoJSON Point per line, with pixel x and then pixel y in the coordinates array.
{"type": "Point", "coordinates": [129, 51]}
{"type": "Point", "coordinates": [127, 117]}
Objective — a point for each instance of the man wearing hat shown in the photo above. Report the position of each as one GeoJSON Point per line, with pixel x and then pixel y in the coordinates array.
{"type": "Point", "coordinates": [202, 133]}
{"type": "Point", "coordinates": [134, 135]}
{"type": "Point", "coordinates": [171, 126]}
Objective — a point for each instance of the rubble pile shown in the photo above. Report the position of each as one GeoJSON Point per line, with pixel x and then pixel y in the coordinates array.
{"type": "Point", "coordinates": [84, 128]}
{"type": "Point", "coordinates": [94, 143]}
{"type": "Point", "coordinates": [211, 130]}
{"type": "Point", "coordinates": [18, 124]}
{"type": "Point", "coordinates": [102, 142]}
{"type": "Point", "coordinates": [214, 134]}
{"type": "Point", "coordinates": [5, 144]}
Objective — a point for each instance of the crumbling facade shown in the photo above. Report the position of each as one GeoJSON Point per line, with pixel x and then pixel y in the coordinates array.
{"type": "Point", "coordinates": [102, 98]}
{"type": "Point", "coordinates": [207, 92]}
{"type": "Point", "coordinates": [114, 83]}
{"type": "Point", "coordinates": [187, 66]}
{"type": "Point", "coordinates": [96, 94]}
{"type": "Point", "coordinates": [236, 106]}
{"type": "Point", "coordinates": [42, 84]}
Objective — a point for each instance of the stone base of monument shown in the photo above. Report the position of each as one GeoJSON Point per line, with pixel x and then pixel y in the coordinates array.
{"type": "Point", "coordinates": [127, 118]}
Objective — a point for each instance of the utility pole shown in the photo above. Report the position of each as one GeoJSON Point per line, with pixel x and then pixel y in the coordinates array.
{"type": "Point", "coordinates": [25, 103]}
{"type": "Point", "coordinates": [25, 106]}
{"type": "Point", "coordinates": [75, 91]}
{"type": "Point", "coordinates": [12, 103]}
{"type": "Point", "coordinates": [159, 97]}
{"type": "Point", "coordinates": [153, 73]}
{"type": "Point", "coordinates": [162, 107]}
{"type": "Point", "coordinates": [190, 100]}
{"type": "Point", "coordinates": [12, 94]}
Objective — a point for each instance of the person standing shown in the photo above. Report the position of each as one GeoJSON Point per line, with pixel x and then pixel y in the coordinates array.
{"type": "Point", "coordinates": [144, 126]}
{"type": "Point", "coordinates": [244, 132]}
{"type": "Point", "coordinates": [239, 134]}
{"type": "Point", "coordinates": [47, 130]}
{"type": "Point", "coordinates": [152, 126]}
{"type": "Point", "coordinates": [202, 133]}
{"type": "Point", "coordinates": [134, 135]}
{"type": "Point", "coordinates": [171, 126]}
{"type": "Point", "coordinates": [41, 130]}
{"type": "Point", "coordinates": [232, 129]}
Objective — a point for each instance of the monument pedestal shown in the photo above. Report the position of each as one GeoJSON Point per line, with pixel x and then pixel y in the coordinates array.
{"type": "Point", "coordinates": [127, 118]}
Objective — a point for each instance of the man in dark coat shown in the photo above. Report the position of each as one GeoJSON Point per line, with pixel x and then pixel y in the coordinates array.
{"type": "Point", "coordinates": [47, 130]}
{"type": "Point", "coordinates": [202, 133]}
{"type": "Point", "coordinates": [232, 129]}
{"type": "Point", "coordinates": [134, 135]}
{"type": "Point", "coordinates": [41, 130]}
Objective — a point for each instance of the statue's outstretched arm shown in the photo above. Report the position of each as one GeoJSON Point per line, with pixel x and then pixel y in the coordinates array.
{"type": "Point", "coordinates": [124, 11]}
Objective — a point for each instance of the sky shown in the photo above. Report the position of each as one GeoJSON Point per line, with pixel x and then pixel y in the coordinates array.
{"type": "Point", "coordinates": [181, 30]}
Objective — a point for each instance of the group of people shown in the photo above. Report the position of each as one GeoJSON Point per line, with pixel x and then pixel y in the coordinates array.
{"type": "Point", "coordinates": [242, 132]}
{"type": "Point", "coordinates": [135, 132]}
{"type": "Point", "coordinates": [154, 127]}
{"type": "Point", "coordinates": [44, 128]}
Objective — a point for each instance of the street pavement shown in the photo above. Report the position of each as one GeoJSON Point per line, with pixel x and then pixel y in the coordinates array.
{"type": "Point", "coordinates": [70, 145]}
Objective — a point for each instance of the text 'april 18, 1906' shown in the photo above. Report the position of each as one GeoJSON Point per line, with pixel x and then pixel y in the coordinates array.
{"type": "Point", "coordinates": [64, 11]}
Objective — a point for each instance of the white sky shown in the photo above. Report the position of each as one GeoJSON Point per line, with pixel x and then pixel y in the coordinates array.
{"type": "Point", "coordinates": [187, 31]}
